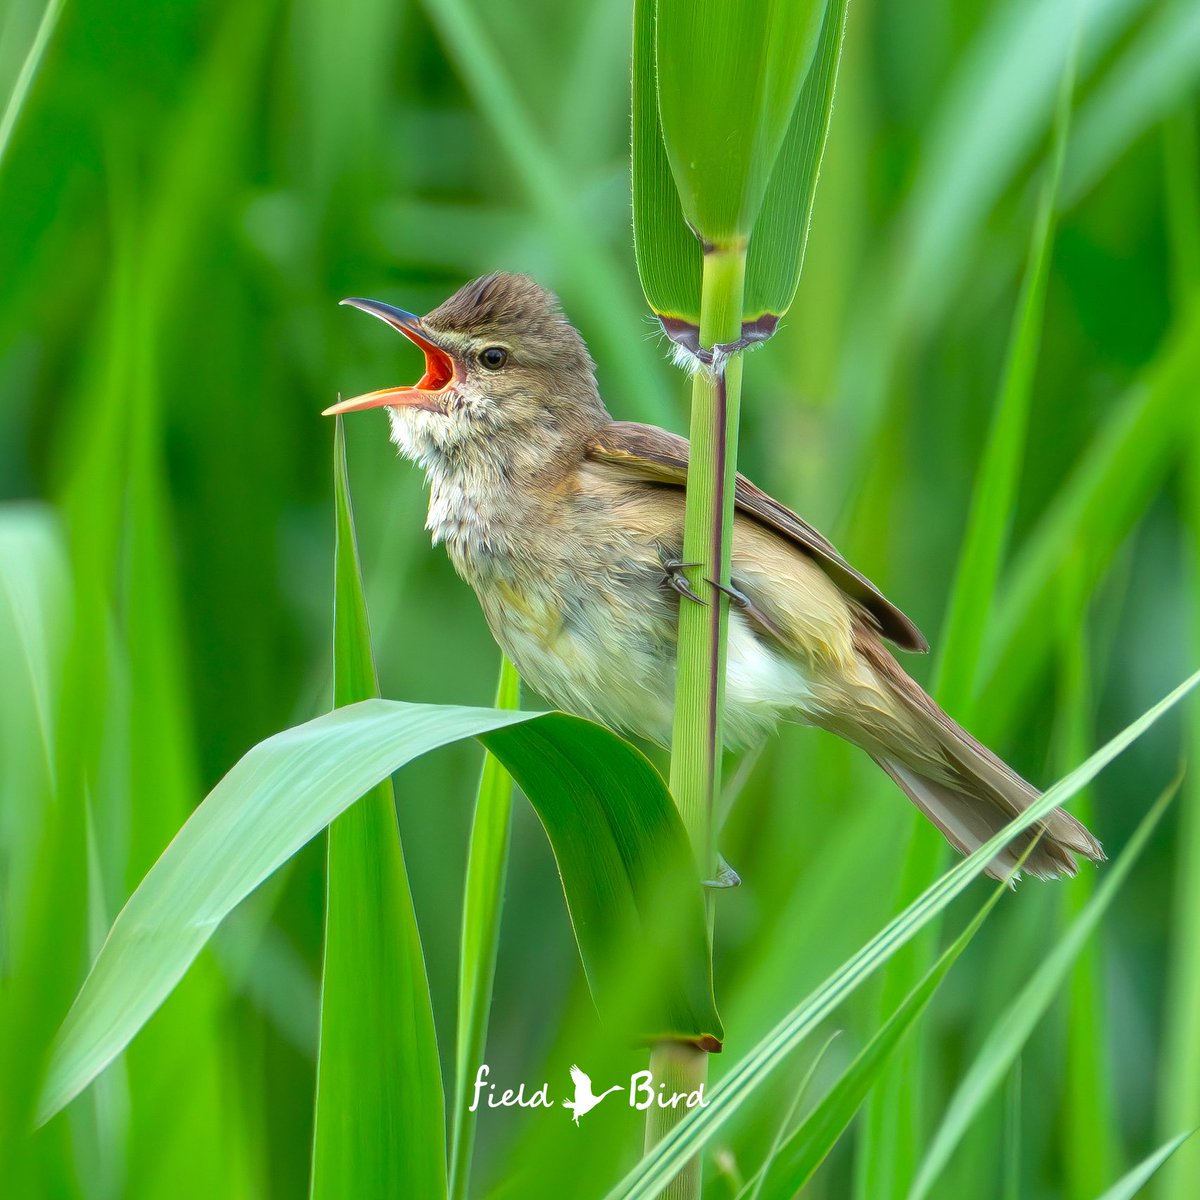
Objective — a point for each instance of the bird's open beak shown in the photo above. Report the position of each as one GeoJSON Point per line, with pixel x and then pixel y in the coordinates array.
{"type": "Point", "coordinates": [429, 392]}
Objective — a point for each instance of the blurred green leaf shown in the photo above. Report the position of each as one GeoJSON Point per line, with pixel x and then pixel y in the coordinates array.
{"type": "Point", "coordinates": [620, 848]}
{"type": "Point", "coordinates": [380, 1127]}
{"type": "Point", "coordinates": [22, 47]}
{"type": "Point", "coordinates": [595, 286]}
{"type": "Point", "coordinates": [1152, 78]}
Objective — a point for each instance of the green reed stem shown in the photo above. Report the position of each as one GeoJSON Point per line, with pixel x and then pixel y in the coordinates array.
{"type": "Point", "coordinates": [698, 733]}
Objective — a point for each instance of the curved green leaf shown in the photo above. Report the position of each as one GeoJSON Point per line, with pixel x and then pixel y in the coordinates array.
{"type": "Point", "coordinates": [621, 852]}
{"type": "Point", "coordinates": [379, 1123]}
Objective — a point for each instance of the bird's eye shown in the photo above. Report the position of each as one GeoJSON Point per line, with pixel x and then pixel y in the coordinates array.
{"type": "Point", "coordinates": [493, 357]}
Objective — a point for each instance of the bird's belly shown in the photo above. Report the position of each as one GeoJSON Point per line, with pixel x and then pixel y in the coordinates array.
{"type": "Point", "coordinates": [610, 655]}
{"type": "Point", "coordinates": [589, 650]}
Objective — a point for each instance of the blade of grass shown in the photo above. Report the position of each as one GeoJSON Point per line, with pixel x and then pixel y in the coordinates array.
{"type": "Point", "coordinates": [661, 1164]}
{"type": "Point", "coordinates": [487, 866]}
{"type": "Point", "coordinates": [808, 1146]}
{"type": "Point", "coordinates": [753, 1188]}
{"type": "Point", "coordinates": [18, 92]}
{"type": "Point", "coordinates": [1132, 1183]}
{"type": "Point", "coordinates": [379, 1119]}
{"type": "Point", "coordinates": [42, 909]}
{"type": "Point", "coordinates": [1179, 1086]}
{"type": "Point", "coordinates": [998, 1053]}
{"type": "Point", "coordinates": [1092, 1134]}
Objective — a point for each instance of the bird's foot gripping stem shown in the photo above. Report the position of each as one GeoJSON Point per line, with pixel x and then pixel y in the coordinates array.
{"type": "Point", "coordinates": [727, 877]}
{"type": "Point", "coordinates": [679, 581]}
{"type": "Point", "coordinates": [735, 597]}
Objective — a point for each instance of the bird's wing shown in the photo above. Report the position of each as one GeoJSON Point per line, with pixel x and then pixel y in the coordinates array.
{"type": "Point", "coordinates": [646, 452]}
{"type": "Point", "coordinates": [580, 1078]}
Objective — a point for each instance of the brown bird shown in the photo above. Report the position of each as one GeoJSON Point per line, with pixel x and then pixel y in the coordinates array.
{"type": "Point", "coordinates": [569, 526]}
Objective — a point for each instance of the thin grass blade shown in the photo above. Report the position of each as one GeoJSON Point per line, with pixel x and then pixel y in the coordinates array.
{"type": "Point", "coordinates": [379, 1122]}
{"type": "Point", "coordinates": [487, 867]}
{"type": "Point", "coordinates": [1132, 1183]}
{"type": "Point", "coordinates": [1012, 1030]}
{"type": "Point", "coordinates": [808, 1146]}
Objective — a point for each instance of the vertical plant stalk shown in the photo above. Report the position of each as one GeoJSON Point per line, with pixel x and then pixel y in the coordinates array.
{"type": "Point", "coordinates": [698, 732]}
{"type": "Point", "coordinates": [487, 867]}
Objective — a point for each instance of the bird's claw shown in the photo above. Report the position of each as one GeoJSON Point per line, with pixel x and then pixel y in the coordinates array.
{"type": "Point", "coordinates": [739, 598]}
{"type": "Point", "coordinates": [679, 581]}
{"type": "Point", "coordinates": [727, 877]}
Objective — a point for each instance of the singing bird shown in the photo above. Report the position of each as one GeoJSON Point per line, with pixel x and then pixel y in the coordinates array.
{"type": "Point", "coordinates": [569, 526]}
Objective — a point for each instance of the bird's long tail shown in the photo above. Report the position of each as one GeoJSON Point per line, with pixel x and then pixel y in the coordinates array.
{"type": "Point", "coordinates": [958, 783]}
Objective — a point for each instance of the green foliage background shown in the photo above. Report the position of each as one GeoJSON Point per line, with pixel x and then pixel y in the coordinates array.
{"type": "Point", "coordinates": [189, 189]}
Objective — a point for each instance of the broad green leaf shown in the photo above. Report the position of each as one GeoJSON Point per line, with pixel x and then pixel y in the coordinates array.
{"type": "Point", "coordinates": [487, 866]}
{"type": "Point", "coordinates": [729, 76]}
{"type": "Point", "coordinates": [668, 252]}
{"type": "Point", "coordinates": [379, 1125]}
{"type": "Point", "coordinates": [662, 1163]}
{"type": "Point", "coordinates": [620, 848]}
{"type": "Point", "coordinates": [1132, 1183]}
{"type": "Point", "coordinates": [807, 1147]}
{"type": "Point", "coordinates": [1010, 1033]}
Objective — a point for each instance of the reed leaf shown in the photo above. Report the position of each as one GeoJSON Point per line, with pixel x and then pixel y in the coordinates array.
{"type": "Point", "coordinates": [728, 78]}
{"type": "Point", "coordinates": [776, 183]}
{"type": "Point", "coordinates": [620, 848]}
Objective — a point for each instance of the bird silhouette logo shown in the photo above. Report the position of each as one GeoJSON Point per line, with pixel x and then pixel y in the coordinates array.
{"type": "Point", "coordinates": [585, 1099]}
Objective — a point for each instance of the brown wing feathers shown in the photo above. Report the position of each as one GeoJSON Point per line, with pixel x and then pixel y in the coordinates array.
{"type": "Point", "coordinates": [654, 454]}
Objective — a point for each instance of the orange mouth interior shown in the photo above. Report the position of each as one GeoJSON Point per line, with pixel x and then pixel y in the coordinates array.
{"type": "Point", "coordinates": [427, 393]}
{"type": "Point", "coordinates": [439, 366]}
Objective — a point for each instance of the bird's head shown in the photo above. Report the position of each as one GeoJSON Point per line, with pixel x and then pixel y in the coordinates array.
{"type": "Point", "coordinates": [503, 367]}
